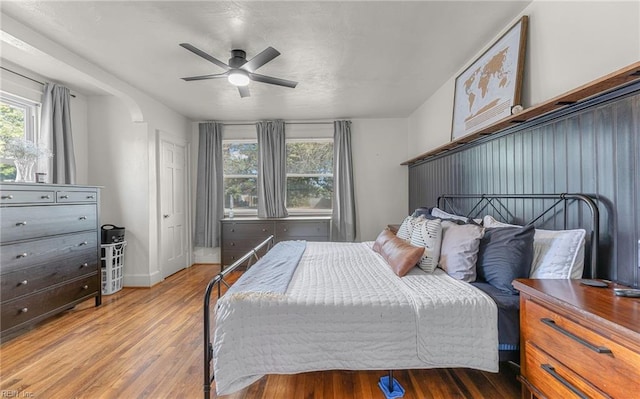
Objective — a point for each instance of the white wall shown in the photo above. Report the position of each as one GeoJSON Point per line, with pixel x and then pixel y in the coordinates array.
{"type": "Point", "coordinates": [569, 44]}
{"type": "Point", "coordinates": [381, 183]}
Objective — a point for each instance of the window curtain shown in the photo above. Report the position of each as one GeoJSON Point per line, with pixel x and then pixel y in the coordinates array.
{"type": "Point", "coordinates": [343, 218]}
{"type": "Point", "coordinates": [272, 169]}
{"type": "Point", "coordinates": [56, 127]}
{"type": "Point", "coordinates": [209, 190]}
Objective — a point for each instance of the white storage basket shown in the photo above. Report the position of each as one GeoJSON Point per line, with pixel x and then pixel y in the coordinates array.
{"type": "Point", "coordinates": [112, 264]}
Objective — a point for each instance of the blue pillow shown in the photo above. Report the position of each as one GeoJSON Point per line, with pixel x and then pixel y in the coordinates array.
{"type": "Point", "coordinates": [505, 254]}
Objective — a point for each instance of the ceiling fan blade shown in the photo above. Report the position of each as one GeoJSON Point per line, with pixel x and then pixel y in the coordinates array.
{"type": "Point", "coordinates": [259, 60]}
{"type": "Point", "coordinates": [273, 81]}
{"type": "Point", "coordinates": [204, 55]}
{"type": "Point", "coordinates": [203, 77]}
{"type": "Point", "coordinates": [244, 91]}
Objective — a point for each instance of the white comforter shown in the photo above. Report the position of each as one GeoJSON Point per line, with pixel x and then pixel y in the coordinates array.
{"type": "Point", "coordinates": [344, 309]}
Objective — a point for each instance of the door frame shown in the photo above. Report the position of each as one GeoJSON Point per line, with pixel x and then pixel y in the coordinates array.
{"type": "Point", "coordinates": [164, 136]}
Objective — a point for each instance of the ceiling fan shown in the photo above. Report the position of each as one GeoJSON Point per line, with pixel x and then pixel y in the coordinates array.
{"type": "Point", "coordinates": [239, 72]}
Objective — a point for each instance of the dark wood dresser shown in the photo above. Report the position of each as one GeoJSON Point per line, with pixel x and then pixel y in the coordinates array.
{"type": "Point", "coordinates": [240, 235]}
{"type": "Point", "coordinates": [49, 251]}
{"type": "Point", "coordinates": [578, 341]}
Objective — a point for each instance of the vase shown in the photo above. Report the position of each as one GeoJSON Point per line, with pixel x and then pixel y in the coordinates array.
{"type": "Point", "coordinates": [24, 170]}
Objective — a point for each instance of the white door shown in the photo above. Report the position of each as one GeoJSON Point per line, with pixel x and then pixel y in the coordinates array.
{"type": "Point", "coordinates": [174, 196]}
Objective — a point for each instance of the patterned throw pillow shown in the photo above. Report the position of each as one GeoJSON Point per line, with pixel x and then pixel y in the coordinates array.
{"type": "Point", "coordinates": [406, 228]}
{"type": "Point", "coordinates": [428, 234]}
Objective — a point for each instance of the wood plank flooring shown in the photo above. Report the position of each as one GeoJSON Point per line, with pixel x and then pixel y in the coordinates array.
{"type": "Point", "coordinates": [147, 343]}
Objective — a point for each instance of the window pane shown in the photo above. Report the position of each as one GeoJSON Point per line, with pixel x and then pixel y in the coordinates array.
{"type": "Point", "coordinates": [240, 158]}
{"type": "Point", "coordinates": [243, 190]}
{"type": "Point", "coordinates": [309, 192]}
{"type": "Point", "coordinates": [310, 157]}
{"type": "Point", "coordinates": [12, 125]}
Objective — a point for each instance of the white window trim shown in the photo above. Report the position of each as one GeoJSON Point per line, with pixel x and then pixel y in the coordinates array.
{"type": "Point", "coordinates": [32, 116]}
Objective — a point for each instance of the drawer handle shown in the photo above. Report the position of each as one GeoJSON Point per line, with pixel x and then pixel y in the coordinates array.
{"type": "Point", "coordinates": [264, 230]}
{"type": "Point", "coordinates": [233, 244]}
{"type": "Point", "coordinates": [24, 282]}
{"type": "Point", "coordinates": [284, 229]}
{"type": "Point", "coordinates": [45, 197]}
{"type": "Point", "coordinates": [64, 197]}
{"type": "Point", "coordinates": [552, 371]}
{"type": "Point", "coordinates": [82, 218]}
{"type": "Point", "coordinates": [7, 197]}
{"type": "Point", "coordinates": [84, 265]}
{"type": "Point", "coordinates": [83, 243]}
{"type": "Point", "coordinates": [85, 287]}
{"type": "Point", "coordinates": [21, 224]}
{"type": "Point", "coordinates": [233, 230]}
{"type": "Point", "coordinates": [24, 310]}
{"type": "Point", "coordinates": [551, 323]}
{"type": "Point", "coordinates": [90, 197]}
{"type": "Point", "coordinates": [22, 255]}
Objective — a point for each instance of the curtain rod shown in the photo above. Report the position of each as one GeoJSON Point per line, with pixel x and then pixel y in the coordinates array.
{"type": "Point", "coordinates": [28, 78]}
{"type": "Point", "coordinates": [286, 123]}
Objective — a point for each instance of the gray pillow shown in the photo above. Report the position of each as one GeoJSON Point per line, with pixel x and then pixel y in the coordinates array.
{"type": "Point", "coordinates": [505, 254]}
{"type": "Point", "coordinates": [459, 250]}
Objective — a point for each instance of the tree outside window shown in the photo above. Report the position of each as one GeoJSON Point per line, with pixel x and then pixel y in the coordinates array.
{"type": "Point", "coordinates": [17, 120]}
{"type": "Point", "coordinates": [309, 175]}
{"type": "Point", "coordinates": [240, 164]}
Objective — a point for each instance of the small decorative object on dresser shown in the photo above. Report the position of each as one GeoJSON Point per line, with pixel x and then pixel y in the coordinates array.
{"type": "Point", "coordinates": [578, 340]}
{"type": "Point", "coordinates": [49, 252]}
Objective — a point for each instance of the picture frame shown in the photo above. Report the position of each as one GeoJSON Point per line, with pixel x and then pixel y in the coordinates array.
{"type": "Point", "coordinates": [491, 86]}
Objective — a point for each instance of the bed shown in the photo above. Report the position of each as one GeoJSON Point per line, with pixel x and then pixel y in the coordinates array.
{"type": "Point", "coordinates": [307, 306]}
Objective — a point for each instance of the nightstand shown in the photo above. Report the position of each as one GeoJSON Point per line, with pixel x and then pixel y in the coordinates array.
{"type": "Point", "coordinates": [578, 341]}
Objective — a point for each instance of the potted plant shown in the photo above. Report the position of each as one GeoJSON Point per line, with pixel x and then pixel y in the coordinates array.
{"type": "Point", "coordinates": [25, 154]}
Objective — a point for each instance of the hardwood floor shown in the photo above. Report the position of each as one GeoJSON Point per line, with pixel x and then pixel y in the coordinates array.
{"type": "Point", "coordinates": [147, 343]}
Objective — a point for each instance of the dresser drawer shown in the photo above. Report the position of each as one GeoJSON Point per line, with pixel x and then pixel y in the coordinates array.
{"type": "Point", "coordinates": [61, 267]}
{"type": "Point", "coordinates": [36, 253]}
{"type": "Point", "coordinates": [26, 222]}
{"type": "Point", "coordinates": [302, 230]}
{"type": "Point", "coordinates": [238, 230]}
{"type": "Point", "coordinates": [16, 197]}
{"type": "Point", "coordinates": [39, 305]}
{"type": "Point", "coordinates": [231, 255]}
{"type": "Point", "coordinates": [76, 196]}
{"type": "Point", "coordinates": [611, 367]}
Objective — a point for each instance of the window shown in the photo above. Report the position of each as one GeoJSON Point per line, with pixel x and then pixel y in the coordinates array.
{"type": "Point", "coordinates": [18, 118]}
{"type": "Point", "coordinates": [309, 175]}
{"type": "Point", "coordinates": [240, 164]}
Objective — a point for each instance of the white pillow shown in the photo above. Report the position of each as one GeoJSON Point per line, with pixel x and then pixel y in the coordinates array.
{"type": "Point", "coordinates": [439, 213]}
{"type": "Point", "coordinates": [459, 250]}
{"type": "Point", "coordinates": [557, 254]}
{"type": "Point", "coordinates": [406, 228]}
{"type": "Point", "coordinates": [428, 234]}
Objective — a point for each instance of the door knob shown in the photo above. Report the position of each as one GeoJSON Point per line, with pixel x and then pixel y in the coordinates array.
{"type": "Point", "coordinates": [165, 216]}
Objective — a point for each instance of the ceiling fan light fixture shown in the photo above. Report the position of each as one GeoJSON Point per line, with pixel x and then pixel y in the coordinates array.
{"type": "Point", "coordinates": [238, 77]}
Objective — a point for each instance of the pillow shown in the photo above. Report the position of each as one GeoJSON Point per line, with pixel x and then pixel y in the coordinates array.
{"type": "Point", "coordinates": [557, 254]}
{"type": "Point", "coordinates": [459, 250]}
{"type": "Point", "coordinates": [505, 254]}
{"type": "Point", "coordinates": [428, 235]}
{"type": "Point", "coordinates": [384, 236]}
{"type": "Point", "coordinates": [399, 254]}
{"type": "Point", "coordinates": [406, 228]}
{"type": "Point", "coordinates": [439, 213]}
{"type": "Point", "coordinates": [422, 211]}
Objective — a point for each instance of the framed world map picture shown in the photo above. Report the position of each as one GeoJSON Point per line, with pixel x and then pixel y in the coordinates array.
{"type": "Point", "coordinates": [487, 90]}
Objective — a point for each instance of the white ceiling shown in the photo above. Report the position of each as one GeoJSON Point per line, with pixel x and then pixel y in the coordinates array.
{"type": "Point", "coordinates": [353, 59]}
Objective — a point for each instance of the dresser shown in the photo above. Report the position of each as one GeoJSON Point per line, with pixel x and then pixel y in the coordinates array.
{"type": "Point", "coordinates": [578, 341]}
{"type": "Point", "coordinates": [240, 235]}
{"type": "Point", "coordinates": [49, 252]}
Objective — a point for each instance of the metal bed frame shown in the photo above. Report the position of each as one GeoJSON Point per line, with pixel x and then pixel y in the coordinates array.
{"type": "Point", "coordinates": [493, 202]}
{"type": "Point", "coordinates": [217, 281]}
{"type": "Point", "coordinates": [483, 201]}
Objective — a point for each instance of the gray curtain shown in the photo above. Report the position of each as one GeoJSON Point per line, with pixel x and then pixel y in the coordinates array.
{"type": "Point", "coordinates": [344, 208]}
{"type": "Point", "coordinates": [209, 190]}
{"type": "Point", "coordinates": [272, 169]}
{"type": "Point", "coordinates": [56, 126]}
